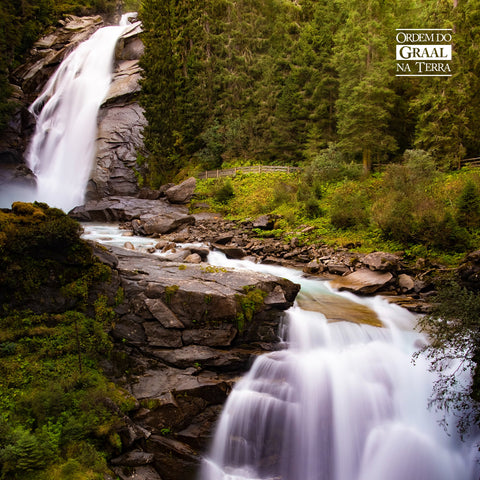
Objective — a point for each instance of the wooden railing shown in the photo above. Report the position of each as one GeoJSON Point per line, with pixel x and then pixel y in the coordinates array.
{"type": "Point", "coordinates": [470, 162]}
{"type": "Point", "coordinates": [231, 172]}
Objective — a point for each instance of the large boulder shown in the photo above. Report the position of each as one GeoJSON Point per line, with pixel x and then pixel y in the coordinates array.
{"type": "Point", "coordinates": [150, 216]}
{"type": "Point", "coordinates": [183, 192]}
{"type": "Point", "coordinates": [382, 261]}
{"type": "Point", "coordinates": [363, 281]}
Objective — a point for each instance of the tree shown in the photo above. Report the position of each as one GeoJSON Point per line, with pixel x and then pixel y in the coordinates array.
{"type": "Point", "coordinates": [365, 72]}
{"type": "Point", "coordinates": [453, 328]}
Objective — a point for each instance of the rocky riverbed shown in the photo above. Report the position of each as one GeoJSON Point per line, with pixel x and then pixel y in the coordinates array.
{"type": "Point", "coordinates": [163, 216]}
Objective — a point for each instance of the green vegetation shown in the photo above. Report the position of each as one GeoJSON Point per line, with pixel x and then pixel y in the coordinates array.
{"type": "Point", "coordinates": [412, 206]}
{"type": "Point", "coordinates": [454, 330]}
{"type": "Point", "coordinates": [280, 82]}
{"type": "Point", "coordinates": [249, 304]}
{"type": "Point", "coordinates": [59, 415]}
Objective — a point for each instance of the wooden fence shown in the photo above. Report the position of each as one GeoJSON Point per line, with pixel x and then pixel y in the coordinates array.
{"type": "Point", "coordinates": [470, 162]}
{"type": "Point", "coordinates": [231, 172]}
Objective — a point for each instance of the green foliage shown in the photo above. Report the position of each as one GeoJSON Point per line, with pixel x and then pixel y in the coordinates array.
{"type": "Point", "coordinates": [225, 192]}
{"type": "Point", "coordinates": [454, 350]}
{"type": "Point", "coordinates": [59, 413]}
{"type": "Point", "coordinates": [468, 206]}
{"type": "Point", "coordinates": [249, 303]}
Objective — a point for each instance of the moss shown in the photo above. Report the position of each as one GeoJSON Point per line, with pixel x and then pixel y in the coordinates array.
{"type": "Point", "coordinates": [60, 413]}
{"type": "Point", "coordinates": [170, 291]}
{"type": "Point", "coordinates": [249, 303]}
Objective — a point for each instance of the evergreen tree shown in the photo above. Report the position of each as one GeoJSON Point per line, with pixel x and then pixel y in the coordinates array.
{"type": "Point", "coordinates": [365, 69]}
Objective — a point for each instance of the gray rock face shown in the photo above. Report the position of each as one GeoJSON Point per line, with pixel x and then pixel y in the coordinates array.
{"type": "Point", "coordinates": [120, 124]}
{"type": "Point", "coordinates": [179, 329]}
{"type": "Point", "coordinates": [147, 216]}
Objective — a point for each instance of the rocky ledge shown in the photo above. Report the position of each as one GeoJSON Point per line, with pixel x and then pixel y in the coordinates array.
{"type": "Point", "coordinates": [185, 333]}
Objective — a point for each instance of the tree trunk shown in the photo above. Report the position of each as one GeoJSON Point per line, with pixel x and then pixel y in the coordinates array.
{"type": "Point", "coordinates": [367, 160]}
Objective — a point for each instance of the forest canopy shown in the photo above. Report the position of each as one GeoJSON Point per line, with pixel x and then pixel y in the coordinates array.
{"type": "Point", "coordinates": [276, 81]}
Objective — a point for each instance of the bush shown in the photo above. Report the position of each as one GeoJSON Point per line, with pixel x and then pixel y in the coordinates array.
{"type": "Point", "coordinates": [468, 206]}
{"type": "Point", "coordinates": [348, 207]}
{"type": "Point", "coordinates": [225, 192]}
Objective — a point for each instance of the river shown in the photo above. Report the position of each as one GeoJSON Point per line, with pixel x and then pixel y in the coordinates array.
{"type": "Point", "coordinates": [341, 401]}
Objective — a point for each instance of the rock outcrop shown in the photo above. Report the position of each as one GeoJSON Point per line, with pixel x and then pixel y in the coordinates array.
{"type": "Point", "coordinates": [187, 333]}
{"type": "Point", "coordinates": [120, 124]}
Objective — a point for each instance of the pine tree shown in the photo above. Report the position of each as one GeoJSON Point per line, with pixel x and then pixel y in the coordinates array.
{"type": "Point", "coordinates": [365, 69]}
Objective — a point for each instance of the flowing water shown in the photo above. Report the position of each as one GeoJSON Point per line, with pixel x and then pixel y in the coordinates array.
{"type": "Point", "coordinates": [63, 147]}
{"type": "Point", "coordinates": [341, 401]}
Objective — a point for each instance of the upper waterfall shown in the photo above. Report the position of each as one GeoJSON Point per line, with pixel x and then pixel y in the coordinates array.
{"type": "Point", "coordinates": [63, 146]}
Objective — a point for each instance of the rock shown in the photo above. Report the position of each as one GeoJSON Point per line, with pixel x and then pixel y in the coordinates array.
{"type": "Point", "coordinates": [133, 458]}
{"type": "Point", "coordinates": [196, 294]}
{"type": "Point", "coordinates": [183, 192]}
{"type": "Point", "coordinates": [264, 222]}
{"type": "Point", "coordinates": [166, 223]}
{"type": "Point", "coordinates": [126, 209]}
{"type": "Point", "coordinates": [223, 239]}
{"type": "Point", "coordinates": [202, 252]}
{"type": "Point", "coordinates": [214, 336]}
{"type": "Point", "coordinates": [406, 283]}
{"type": "Point", "coordinates": [315, 266]}
{"type": "Point", "coordinates": [338, 269]}
{"type": "Point", "coordinates": [336, 308]}
{"type": "Point", "coordinates": [158, 336]}
{"type": "Point", "coordinates": [382, 261]}
{"type": "Point", "coordinates": [121, 122]}
{"type": "Point", "coordinates": [128, 246]}
{"type": "Point", "coordinates": [163, 314]}
{"type": "Point", "coordinates": [363, 281]}
{"type": "Point", "coordinates": [231, 251]}
{"type": "Point", "coordinates": [137, 473]}
{"type": "Point", "coordinates": [118, 140]}
{"type": "Point", "coordinates": [193, 258]}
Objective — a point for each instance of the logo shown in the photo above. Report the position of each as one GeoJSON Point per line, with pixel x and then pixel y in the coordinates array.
{"type": "Point", "coordinates": [423, 52]}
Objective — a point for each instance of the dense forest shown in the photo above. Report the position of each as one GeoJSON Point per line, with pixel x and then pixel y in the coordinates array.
{"type": "Point", "coordinates": [277, 82]}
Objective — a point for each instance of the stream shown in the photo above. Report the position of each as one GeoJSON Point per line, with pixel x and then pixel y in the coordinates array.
{"type": "Point", "coordinates": [342, 401]}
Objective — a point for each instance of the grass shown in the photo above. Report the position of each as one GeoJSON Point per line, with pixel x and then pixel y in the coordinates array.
{"type": "Point", "coordinates": [346, 212]}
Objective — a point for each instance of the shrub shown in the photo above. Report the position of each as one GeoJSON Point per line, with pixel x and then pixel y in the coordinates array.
{"type": "Point", "coordinates": [468, 206]}
{"type": "Point", "coordinates": [225, 192]}
{"type": "Point", "coordinates": [348, 207]}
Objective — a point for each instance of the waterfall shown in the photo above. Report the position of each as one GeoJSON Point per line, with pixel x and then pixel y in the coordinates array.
{"type": "Point", "coordinates": [343, 402]}
{"type": "Point", "coordinates": [63, 146]}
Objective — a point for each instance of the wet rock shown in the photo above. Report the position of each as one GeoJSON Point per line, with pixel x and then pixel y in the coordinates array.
{"type": "Point", "coordinates": [166, 223]}
{"type": "Point", "coordinates": [183, 192]}
{"type": "Point", "coordinates": [336, 308]}
{"type": "Point", "coordinates": [363, 281]}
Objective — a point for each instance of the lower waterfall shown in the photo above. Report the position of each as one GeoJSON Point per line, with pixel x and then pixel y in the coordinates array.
{"type": "Point", "coordinates": [343, 401]}
{"type": "Point", "coordinates": [63, 146]}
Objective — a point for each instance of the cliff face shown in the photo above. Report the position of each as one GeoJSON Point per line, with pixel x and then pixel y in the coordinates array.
{"type": "Point", "coordinates": [120, 124]}
{"type": "Point", "coordinates": [188, 331]}
{"type": "Point", "coordinates": [120, 120]}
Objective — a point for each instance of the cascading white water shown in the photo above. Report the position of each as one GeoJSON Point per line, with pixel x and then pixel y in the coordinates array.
{"type": "Point", "coordinates": [342, 402]}
{"type": "Point", "coordinates": [63, 146]}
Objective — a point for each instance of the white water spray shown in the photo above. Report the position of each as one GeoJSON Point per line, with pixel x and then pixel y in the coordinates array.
{"type": "Point", "coordinates": [63, 146]}
{"type": "Point", "coordinates": [343, 402]}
